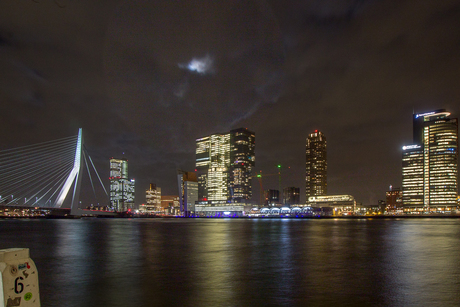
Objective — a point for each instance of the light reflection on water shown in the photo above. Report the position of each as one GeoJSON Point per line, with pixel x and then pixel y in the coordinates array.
{"type": "Point", "coordinates": [241, 262]}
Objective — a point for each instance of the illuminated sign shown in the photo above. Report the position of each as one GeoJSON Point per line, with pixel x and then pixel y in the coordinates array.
{"type": "Point", "coordinates": [424, 114]}
{"type": "Point", "coordinates": [432, 113]}
{"type": "Point", "coordinates": [411, 147]}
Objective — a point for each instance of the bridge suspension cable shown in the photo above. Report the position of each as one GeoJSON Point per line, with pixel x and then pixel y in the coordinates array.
{"type": "Point", "coordinates": [45, 174]}
{"type": "Point", "coordinates": [87, 156]}
{"type": "Point", "coordinates": [32, 175]}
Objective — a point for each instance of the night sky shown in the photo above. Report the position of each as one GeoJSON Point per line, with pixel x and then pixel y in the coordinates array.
{"type": "Point", "coordinates": [146, 78]}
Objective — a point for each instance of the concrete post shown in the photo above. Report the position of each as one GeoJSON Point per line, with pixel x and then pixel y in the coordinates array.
{"type": "Point", "coordinates": [18, 279]}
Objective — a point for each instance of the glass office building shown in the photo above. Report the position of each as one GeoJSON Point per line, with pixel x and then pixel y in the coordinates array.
{"type": "Point", "coordinates": [122, 189]}
{"type": "Point", "coordinates": [430, 165]}
{"type": "Point", "coordinates": [224, 165]}
{"type": "Point", "coordinates": [242, 160]}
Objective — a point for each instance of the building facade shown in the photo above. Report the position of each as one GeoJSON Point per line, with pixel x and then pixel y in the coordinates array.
{"type": "Point", "coordinates": [224, 164]}
{"type": "Point", "coordinates": [430, 164]}
{"type": "Point", "coordinates": [333, 204]}
{"type": "Point", "coordinates": [316, 165]}
{"type": "Point", "coordinates": [291, 196]}
{"type": "Point", "coordinates": [122, 189]}
{"type": "Point", "coordinates": [394, 201]}
{"type": "Point", "coordinates": [242, 161]}
{"type": "Point", "coordinates": [272, 197]}
{"type": "Point", "coordinates": [188, 192]}
{"type": "Point", "coordinates": [170, 205]}
{"type": "Point", "coordinates": [412, 176]}
{"type": "Point", "coordinates": [152, 199]}
{"type": "Point", "coordinates": [212, 165]}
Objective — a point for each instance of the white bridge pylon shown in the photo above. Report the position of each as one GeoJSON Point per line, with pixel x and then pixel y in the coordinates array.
{"type": "Point", "coordinates": [74, 177]}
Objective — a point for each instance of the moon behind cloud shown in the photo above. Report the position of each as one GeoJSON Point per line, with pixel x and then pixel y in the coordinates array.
{"type": "Point", "coordinates": [232, 52]}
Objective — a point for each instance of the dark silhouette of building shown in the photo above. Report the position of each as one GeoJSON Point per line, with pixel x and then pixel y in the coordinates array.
{"type": "Point", "coordinates": [272, 197]}
{"type": "Point", "coordinates": [291, 196]}
{"type": "Point", "coordinates": [394, 200]}
{"type": "Point", "coordinates": [188, 192]}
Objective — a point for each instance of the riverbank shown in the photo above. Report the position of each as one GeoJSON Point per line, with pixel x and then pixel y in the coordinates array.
{"type": "Point", "coordinates": [380, 217]}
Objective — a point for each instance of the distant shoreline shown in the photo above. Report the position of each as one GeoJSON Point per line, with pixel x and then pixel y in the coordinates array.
{"type": "Point", "coordinates": [425, 216]}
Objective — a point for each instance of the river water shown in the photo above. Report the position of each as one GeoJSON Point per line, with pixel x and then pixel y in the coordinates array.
{"type": "Point", "coordinates": [242, 262]}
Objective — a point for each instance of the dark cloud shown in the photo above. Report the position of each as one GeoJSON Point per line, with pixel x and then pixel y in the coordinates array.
{"type": "Point", "coordinates": [4, 41]}
{"type": "Point", "coordinates": [359, 81]}
{"type": "Point", "coordinates": [353, 69]}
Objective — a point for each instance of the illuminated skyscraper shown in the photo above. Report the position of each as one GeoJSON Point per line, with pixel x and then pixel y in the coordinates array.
{"type": "Point", "coordinates": [242, 159]}
{"type": "Point", "coordinates": [121, 188]}
{"type": "Point", "coordinates": [212, 164]}
{"type": "Point", "coordinates": [430, 164]}
{"type": "Point", "coordinates": [224, 164]}
{"type": "Point", "coordinates": [412, 176]}
{"type": "Point", "coordinates": [316, 165]}
{"type": "Point", "coordinates": [203, 161]}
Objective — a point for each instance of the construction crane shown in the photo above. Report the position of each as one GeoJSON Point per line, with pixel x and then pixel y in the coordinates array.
{"type": "Point", "coordinates": [260, 176]}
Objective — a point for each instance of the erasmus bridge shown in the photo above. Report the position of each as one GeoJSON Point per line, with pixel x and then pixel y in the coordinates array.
{"type": "Point", "coordinates": [46, 175]}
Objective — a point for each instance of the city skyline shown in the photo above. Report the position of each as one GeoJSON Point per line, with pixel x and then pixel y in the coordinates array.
{"type": "Point", "coordinates": [147, 79]}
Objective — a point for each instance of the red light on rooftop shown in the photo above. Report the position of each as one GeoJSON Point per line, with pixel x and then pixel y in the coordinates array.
{"type": "Point", "coordinates": [316, 131]}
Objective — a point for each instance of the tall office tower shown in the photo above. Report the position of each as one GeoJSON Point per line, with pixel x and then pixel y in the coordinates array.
{"type": "Point", "coordinates": [203, 160]}
{"type": "Point", "coordinates": [224, 163]}
{"type": "Point", "coordinates": [316, 166]}
{"type": "Point", "coordinates": [242, 159]}
{"type": "Point", "coordinates": [430, 164]}
{"type": "Point", "coordinates": [219, 167]}
{"type": "Point", "coordinates": [188, 192]}
{"type": "Point", "coordinates": [212, 164]}
{"type": "Point", "coordinates": [153, 199]}
{"type": "Point", "coordinates": [291, 196]}
{"type": "Point", "coordinates": [412, 176]}
{"type": "Point", "coordinates": [121, 188]}
{"type": "Point", "coordinates": [272, 197]}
